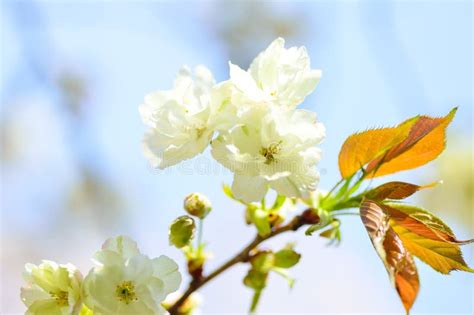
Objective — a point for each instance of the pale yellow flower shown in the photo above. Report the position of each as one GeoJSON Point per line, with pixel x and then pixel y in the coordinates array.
{"type": "Point", "coordinates": [127, 282]}
{"type": "Point", "coordinates": [52, 289]}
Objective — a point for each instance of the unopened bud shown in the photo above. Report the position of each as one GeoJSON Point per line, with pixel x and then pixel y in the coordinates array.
{"type": "Point", "coordinates": [310, 216]}
{"type": "Point", "coordinates": [198, 205]}
{"type": "Point", "coordinates": [182, 231]}
{"type": "Point", "coordinates": [262, 261]}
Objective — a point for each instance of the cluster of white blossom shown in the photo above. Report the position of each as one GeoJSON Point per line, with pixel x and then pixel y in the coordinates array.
{"type": "Point", "coordinates": [250, 121]}
{"type": "Point", "coordinates": [124, 281]}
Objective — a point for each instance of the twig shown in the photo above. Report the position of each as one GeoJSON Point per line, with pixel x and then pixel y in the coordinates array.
{"type": "Point", "coordinates": [307, 217]}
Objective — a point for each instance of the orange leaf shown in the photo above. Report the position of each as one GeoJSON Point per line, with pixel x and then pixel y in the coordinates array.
{"type": "Point", "coordinates": [440, 255]}
{"type": "Point", "coordinates": [361, 148]}
{"type": "Point", "coordinates": [390, 248]}
{"type": "Point", "coordinates": [421, 222]}
{"type": "Point", "coordinates": [423, 144]}
{"type": "Point", "coordinates": [427, 237]}
{"type": "Point", "coordinates": [411, 144]}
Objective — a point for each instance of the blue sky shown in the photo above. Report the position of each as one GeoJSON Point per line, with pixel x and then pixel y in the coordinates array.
{"type": "Point", "coordinates": [382, 62]}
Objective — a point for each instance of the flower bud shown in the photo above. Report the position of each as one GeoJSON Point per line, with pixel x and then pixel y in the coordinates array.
{"type": "Point", "coordinates": [262, 261]}
{"type": "Point", "coordinates": [198, 205]}
{"type": "Point", "coordinates": [182, 231]}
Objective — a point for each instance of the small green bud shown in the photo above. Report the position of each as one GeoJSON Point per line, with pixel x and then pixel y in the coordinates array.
{"type": "Point", "coordinates": [262, 261]}
{"type": "Point", "coordinates": [198, 205]}
{"type": "Point", "coordinates": [255, 279]}
{"type": "Point", "coordinates": [182, 231]}
{"type": "Point", "coordinates": [259, 217]}
{"type": "Point", "coordinates": [286, 258]}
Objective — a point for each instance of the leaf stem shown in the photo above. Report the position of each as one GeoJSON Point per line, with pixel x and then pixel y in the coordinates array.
{"type": "Point", "coordinates": [332, 190]}
{"type": "Point", "coordinates": [347, 213]}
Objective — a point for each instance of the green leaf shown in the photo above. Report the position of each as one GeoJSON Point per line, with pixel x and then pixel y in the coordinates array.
{"type": "Point", "coordinates": [286, 258]}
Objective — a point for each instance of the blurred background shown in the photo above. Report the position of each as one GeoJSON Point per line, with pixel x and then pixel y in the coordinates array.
{"type": "Point", "coordinates": [72, 172]}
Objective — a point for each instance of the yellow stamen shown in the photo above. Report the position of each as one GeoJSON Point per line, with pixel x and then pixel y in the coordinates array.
{"type": "Point", "coordinates": [270, 152]}
{"type": "Point", "coordinates": [61, 297]}
{"type": "Point", "coordinates": [126, 292]}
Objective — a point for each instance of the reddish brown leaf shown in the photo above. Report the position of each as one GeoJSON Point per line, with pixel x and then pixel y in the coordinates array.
{"type": "Point", "coordinates": [392, 190]}
{"type": "Point", "coordinates": [390, 248]}
{"type": "Point", "coordinates": [403, 267]}
{"type": "Point", "coordinates": [395, 191]}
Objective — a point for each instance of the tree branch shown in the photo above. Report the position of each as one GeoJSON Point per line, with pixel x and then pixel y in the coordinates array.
{"type": "Point", "coordinates": [307, 217]}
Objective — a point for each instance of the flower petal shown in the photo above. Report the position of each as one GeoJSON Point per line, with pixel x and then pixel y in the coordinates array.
{"type": "Point", "coordinates": [166, 270]}
{"type": "Point", "coordinates": [249, 188]}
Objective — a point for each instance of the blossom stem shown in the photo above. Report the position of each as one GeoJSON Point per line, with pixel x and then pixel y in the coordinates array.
{"type": "Point", "coordinates": [199, 240]}
{"type": "Point", "coordinates": [307, 217]}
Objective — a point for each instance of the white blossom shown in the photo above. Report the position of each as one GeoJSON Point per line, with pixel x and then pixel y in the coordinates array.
{"type": "Point", "coordinates": [277, 152]}
{"type": "Point", "coordinates": [182, 121]}
{"type": "Point", "coordinates": [278, 75]}
{"type": "Point", "coordinates": [124, 281]}
{"type": "Point", "coordinates": [52, 289]}
{"type": "Point", "coordinates": [262, 138]}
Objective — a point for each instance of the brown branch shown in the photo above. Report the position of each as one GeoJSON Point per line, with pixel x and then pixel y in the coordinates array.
{"type": "Point", "coordinates": [307, 217]}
